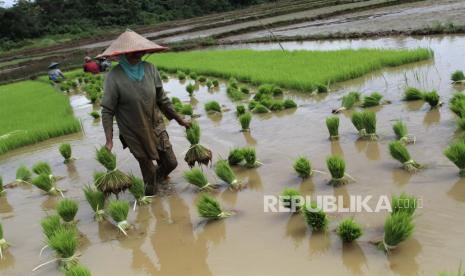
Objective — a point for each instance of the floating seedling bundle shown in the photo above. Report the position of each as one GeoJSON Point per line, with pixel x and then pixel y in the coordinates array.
{"type": "Point", "coordinates": [457, 76]}
{"type": "Point", "coordinates": [118, 211]}
{"type": "Point", "coordinates": [365, 123]}
{"type": "Point", "coordinates": [456, 154]}
{"type": "Point", "coordinates": [216, 83]}
{"type": "Point", "coordinates": [235, 157]}
{"type": "Point", "coordinates": [457, 104]}
{"type": "Point", "coordinates": [50, 224]}
{"type": "Point", "coordinates": [209, 84]}
{"type": "Point", "coordinates": [3, 243]}
{"type": "Point", "coordinates": [348, 101]}
{"type": "Point", "coordinates": [64, 242]}
{"type": "Point", "coordinates": [337, 166]}
{"type": "Point", "coordinates": [399, 152]}
{"type": "Point", "coordinates": [401, 132]}
{"type": "Point", "coordinates": [190, 88]}
{"type": "Point", "coordinates": [260, 108]}
{"type": "Point", "coordinates": [212, 106]}
{"type": "Point", "coordinates": [42, 168]}
{"type": "Point", "coordinates": [95, 114]}
{"type": "Point", "coordinates": [67, 210]}
{"type": "Point", "coordinates": [315, 218]}
{"type": "Point", "coordinates": [46, 183]}
{"type": "Point", "coordinates": [404, 204]}
{"type": "Point", "coordinates": [197, 178]}
{"type": "Point", "coordinates": [332, 123]}
{"type": "Point", "coordinates": [23, 175]}
{"type": "Point", "coordinates": [225, 173]}
{"type": "Point", "coordinates": [432, 98]}
{"type": "Point", "coordinates": [208, 207]}
{"type": "Point", "coordinates": [349, 230]}
{"type": "Point", "coordinates": [288, 103]}
{"type": "Point", "coordinates": [181, 75]}
{"type": "Point", "coordinates": [96, 200]}
{"type": "Point", "coordinates": [245, 120]}
{"type": "Point", "coordinates": [113, 180]}
{"type": "Point", "coordinates": [240, 109]}
{"type": "Point", "coordinates": [372, 100]}
{"type": "Point", "coordinates": [397, 228]}
{"type": "Point", "coordinates": [250, 157]}
{"type": "Point", "coordinates": [303, 167]}
{"type": "Point", "coordinates": [291, 199]}
{"type": "Point", "coordinates": [196, 152]}
{"type": "Point", "coordinates": [78, 270]}
{"type": "Point", "coordinates": [413, 94]}
{"type": "Point", "coordinates": [137, 189]}
{"type": "Point", "coordinates": [65, 151]}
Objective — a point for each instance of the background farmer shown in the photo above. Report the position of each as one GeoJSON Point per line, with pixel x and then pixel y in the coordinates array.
{"type": "Point", "coordinates": [90, 66]}
{"type": "Point", "coordinates": [134, 93]}
{"type": "Point", "coordinates": [54, 73]}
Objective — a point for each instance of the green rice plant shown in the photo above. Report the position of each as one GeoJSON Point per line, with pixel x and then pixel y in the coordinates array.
{"type": "Point", "coordinates": [78, 270]}
{"type": "Point", "coordinates": [208, 207]}
{"type": "Point", "coordinates": [23, 174]}
{"type": "Point", "coordinates": [47, 184]}
{"type": "Point", "coordinates": [315, 217]}
{"type": "Point", "coordinates": [118, 211]}
{"type": "Point", "coordinates": [113, 180]}
{"type": "Point", "coordinates": [235, 157]}
{"type": "Point", "coordinates": [95, 114]}
{"type": "Point", "coordinates": [175, 100]}
{"type": "Point", "coordinates": [216, 83]}
{"type": "Point", "coordinates": [209, 84]}
{"type": "Point", "coordinates": [163, 76]}
{"type": "Point", "coordinates": [212, 106]}
{"type": "Point", "coordinates": [348, 101]}
{"type": "Point", "coordinates": [3, 243]}
{"type": "Point", "coordinates": [235, 94]}
{"type": "Point", "coordinates": [349, 230]}
{"type": "Point", "coordinates": [244, 90]}
{"type": "Point", "coordinates": [291, 199]}
{"type": "Point", "coordinates": [397, 228]}
{"type": "Point", "coordinates": [337, 166]}
{"type": "Point", "coordinates": [358, 122]}
{"type": "Point", "coordinates": [456, 154]}
{"type": "Point", "coordinates": [187, 110]}
{"type": "Point", "coordinates": [413, 94]}
{"type": "Point", "coordinates": [457, 76]}
{"type": "Point", "coordinates": [457, 105]}
{"type": "Point", "coordinates": [64, 242]}
{"type": "Point", "coordinates": [432, 98]}
{"type": "Point", "coordinates": [225, 173]}
{"type": "Point", "coordinates": [332, 123]}
{"type": "Point", "coordinates": [277, 105]}
{"type": "Point", "coordinates": [137, 189]}
{"type": "Point", "coordinates": [65, 151]}
{"type": "Point", "coordinates": [461, 123]}
{"type": "Point", "coordinates": [42, 167]}
{"type": "Point", "coordinates": [245, 120]}
{"type": "Point", "coordinates": [369, 122]}
{"type": "Point", "coordinates": [240, 109]}
{"type": "Point", "coordinates": [50, 224]}
{"type": "Point", "coordinates": [321, 88]}
{"type": "Point", "coordinates": [260, 108]}
{"type": "Point", "coordinates": [190, 88]}
{"type": "Point", "coordinates": [193, 75]}
{"type": "Point", "coordinates": [303, 167]}
{"type": "Point", "coordinates": [96, 200]}
{"type": "Point", "coordinates": [196, 153]}
{"type": "Point", "coordinates": [404, 204]}
{"type": "Point", "coordinates": [232, 82]}
{"type": "Point", "coordinates": [2, 189]}
{"type": "Point", "coordinates": [401, 132]}
{"type": "Point", "coordinates": [372, 100]}
{"type": "Point", "coordinates": [288, 103]}
{"type": "Point", "coordinates": [197, 178]}
{"type": "Point", "coordinates": [399, 152]}
{"type": "Point", "coordinates": [202, 79]}
{"type": "Point", "coordinates": [266, 101]}
{"type": "Point", "coordinates": [250, 157]}
{"type": "Point", "coordinates": [252, 104]}
{"type": "Point", "coordinates": [67, 210]}
{"type": "Point", "coordinates": [181, 75]}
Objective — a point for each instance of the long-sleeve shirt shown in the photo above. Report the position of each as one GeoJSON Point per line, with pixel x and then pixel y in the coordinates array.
{"type": "Point", "coordinates": [138, 107]}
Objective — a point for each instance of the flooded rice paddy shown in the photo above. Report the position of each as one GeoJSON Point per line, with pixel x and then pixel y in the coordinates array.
{"type": "Point", "coordinates": [169, 238]}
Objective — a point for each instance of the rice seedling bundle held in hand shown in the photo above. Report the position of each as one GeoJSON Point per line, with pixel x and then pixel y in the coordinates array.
{"type": "Point", "coordinates": [456, 154]}
{"type": "Point", "coordinates": [235, 157]}
{"type": "Point", "coordinates": [291, 199]}
{"type": "Point", "coordinates": [208, 207]}
{"type": "Point", "coordinates": [78, 270]}
{"type": "Point", "coordinates": [349, 230]}
{"type": "Point", "coordinates": [315, 217]}
{"type": "Point", "coordinates": [137, 189]}
{"type": "Point", "coordinates": [23, 174]}
{"type": "Point", "coordinates": [96, 200]}
{"type": "Point", "coordinates": [65, 151]}
{"type": "Point", "coordinates": [197, 178]}
{"type": "Point", "coordinates": [3, 243]}
{"type": "Point", "coordinates": [113, 180]}
{"type": "Point", "coordinates": [404, 204]}
{"type": "Point", "coordinates": [401, 132]}
{"type": "Point", "coordinates": [196, 152]}
{"type": "Point", "coordinates": [337, 166]}
{"type": "Point", "coordinates": [118, 211]}
{"type": "Point", "coordinates": [397, 228]}
{"type": "Point", "coordinates": [250, 157]}
{"type": "Point", "coordinates": [332, 123]}
{"type": "Point", "coordinates": [46, 184]}
{"type": "Point", "coordinates": [303, 167]}
{"type": "Point", "coordinates": [245, 120]}
{"type": "Point", "coordinates": [67, 210]}
{"type": "Point", "coordinates": [399, 152]}
{"type": "Point", "coordinates": [413, 94]}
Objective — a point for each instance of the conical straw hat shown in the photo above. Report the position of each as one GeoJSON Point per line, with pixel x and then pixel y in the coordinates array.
{"type": "Point", "coordinates": [129, 42]}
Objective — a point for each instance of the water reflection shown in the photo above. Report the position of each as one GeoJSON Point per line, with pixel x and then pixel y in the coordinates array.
{"type": "Point", "coordinates": [249, 138]}
{"type": "Point", "coordinates": [5, 207]}
{"type": "Point", "coordinates": [404, 262]}
{"type": "Point", "coordinates": [296, 229]}
{"type": "Point", "coordinates": [319, 243]}
{"type": "Point", "coordinates": [230, 196]}
{"type": "Point", "coordinates": [400, 176]}
{"type": "Point", "coordinates": [432, 117]}
{"type": "Point", "coordinates": [353, 258]}
{"type": "Point", "coordinates": [372, 150]}
{"type": "Point", "coordinates": [254, 180]}
{"type": "Point", "coordinates": [457, 192]}
{"type": "Point", "coordinates": [414, 105]}
{"type": "Point", "coordinates": [336, 148]}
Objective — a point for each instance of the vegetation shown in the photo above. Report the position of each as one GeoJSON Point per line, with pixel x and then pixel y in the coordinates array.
{"type": "Point", "coordinates": [2, 189]}
{"type": "Point", "coordinates": [65, 151]}
{"type": "Point", "coordinates": [399, 152]}
{"type": "Point", "coordinates": [245, 120]}
{"type": "Point", "coordinates": [315, 217]}
{"type": "Point", "coordinates": [46, 184]}
{"type": "Point", "coordinates": [208, 207]}
{"type": "Point", "coordinates": [456, 154]}
{"type": "Point", "coordinates": [240, 109]}
{"type": "Point", "coordinates": [225, 173]}
{"type": "Point", "coordinates": [42, 167]}
{"type": "Point", "coordinates": [196, 153]}
{"type": "Point", "coordinates": [348, 101]}
{"type": "Point", "coordinates": [235, 157]}
{"type": "Point", "coordinates": [413, 94]}
{"type": "Point", "coordinates": [291, 199]}
{"type": "Point", "coordinates": [365, 123]}
{"type": "Point", "coordinates": [137, 189]}
{"type": "Point", "coordinates": [95, 114]}
{"type": "Point", "coordinates": [288, 103]}
{"type": "Point", "coordinates": [303, 167]}
{"type": "Point", "coordinates": [50, 224]}
{"type": "Point", "coordinates": [372, 100]}
{"type": "Point", "coordinates": [332, 123]}
{"type": "Point", "coordinates": [190, 88]}
{"type": "Point", "coordinates": [401, 132]}
{"type": "Point", "coordinates": [348, 230]}
{"type": "Point", "coordinates": [78, 270]}
{"type": "Point", "coordinates": [397, 228]}
{"type": "Point", "coordinates": [197, 178]}
{"type": "Point", "coordinates": [404, 204]}
{"type": "Point", "coordinates": [65, 242]}
{"type": "Point", "coordinates": [250, 157]}
{"type": "Point", "coordinates": [212, 106]}
{"type": "Point", "coordinates": [3, 244]}
{"type": "Point", "coordinates": [118, 211]}
{"type": "Point", "coordinates": [96, 200]}
{"type": "Point", "coordinates": [67, 210]}
{"type": "Point", "coordinates": [32, 123]}
{"type": "Point", "coordinates": [23, 174]}
{"type": "Point", "coordinates": [337, 167]}
{"type": "Point", "coordinates": [457, 76]}
{"type": "Point", "coordinates": [432, 98]}
{"type": "Point", "coordinates": [113, 180]}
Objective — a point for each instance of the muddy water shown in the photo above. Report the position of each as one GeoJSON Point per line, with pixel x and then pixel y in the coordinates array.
{"type": "Point", "coordinates": [168, 238]}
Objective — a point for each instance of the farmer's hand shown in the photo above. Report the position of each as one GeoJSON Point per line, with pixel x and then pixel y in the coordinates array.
{"type": "Point", "coordinates": [184, 123]}
{"type": "Point", "coordinates": [109, 145]}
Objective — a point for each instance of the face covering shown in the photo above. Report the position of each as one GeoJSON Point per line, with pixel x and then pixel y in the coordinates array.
{"type": "Point", "coordinates": [134, 72]}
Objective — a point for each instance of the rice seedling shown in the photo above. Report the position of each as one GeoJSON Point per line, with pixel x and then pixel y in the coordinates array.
{"type": "Point", "coordinates": [47, 184]}
{"type": "Point", "coordinates": [240, 109]}
{"type": "Point", "coordinates": [113, 180]}
{"type": "Point", "coordinates": [276, 105]}
{"type": "Point", "coordinates": [216, 83]}
{"type": "Point", "coordinates": [50, 224]}
{"type": "Point", "coordinates": [413, 94]}
{"type": "Point", "coordinates": [321, 88]}
{"type": "Point", "coordinates": [456, 154]}
{"type": "Point", "coordinates": [65, 151]}
{"type": "Point", "coordinates": [245, 120]}
{"type": "Point", "coordinates": [457, 76]}
{"type": "Point", "coordinates": [212, 106]}
{"type": "Point", "coordinates": [175, 100]}
{"type": "Point", "coordinates": [235, 94]}
{"type": "Point", "coordinates": [291, 199]}
{"type": "Point", "coordinates": [432, 98]}
{"type": "Point", "coordinates": [349, 230]}
{"type": "Point", "coordinates": [461, 123]}
{"type": "Point", "coordinates": [348, 101]}
{"type": "Point", "coordinates": [244, 90]}
{"type": "Point", "coordinates": [2, 189]}
{"type": "Point", "coordinates": [187, 110]}
{"type": "Point", "coordinates": [95, 114]}
{"type": "Point", "coordinates": [190, 88]}
{"type": "Point", "coordinates": [337, 166]}
{"type": "Point", "coordinates": [118, 211]}
{"type": "Point", "coordinates": [181, 75]}
{"type": "Point", "coordinates": [303, 167]}
{"type": "Point", "coordinates": [3, 243]}
{"type": "Point", "coordinates": [137, 189]}
{"type": "Point", "coordinates": [202, 79]}
{"type": "Point", "coordinates": [209, 84]}
{"type": "Point", "coordinates": [315, 217]}
{"type": "Point", "coordinates": [372, 100]}
{"type": "Point", "coordinates": [42, 168]}
{"type": "Point", "coordinates": [357, 121]}
{"type": "Point", "coordinates": [404, 203]}
{"type": "Point", "coordinates": [96, 200]}
{"type": "Point", "coordinates": [78, 270]}
{"type": "Point", "coordinates": [208, 207]}
{"type": "Point", "coordinates": [399, 152]}
{"type": "Point", "coordinates": [332, 123]}
{"type": "Point", "coordinates": [193, 75]}
{"type": "Point", "coordinates": [369, 122]}
{"type": "Point", "coordinates": [235, 157]}
{"type": "Point", "coordinates": [457, 104]}
{"type": "Point", "coordinates": [260, 108]}
{"type": "Point", "coordinates": [232, 82]}
{"type": "Point", "coordinates": [250, 157]}
{"type": "Point", "coordinates": [397, 228]}
{"type": "Point", "coordinates": [288, 103]}
{"type": "Point", "coordinates": [401, 132]}
{"type": "Point", "coordinates": [197, 178]}
{"type": "Point", "coordinates": [64, 242]}
{"type": "Point", "coordinates": [67, 210]}
{"type": "Point", "coordinates": [225, 173]}
{"type": "Point", "coordinates": [23, 174]}
{"type": "Point", "coordinates": [196, 153]}
{"type": "Point", "coordinates": [163, 76]}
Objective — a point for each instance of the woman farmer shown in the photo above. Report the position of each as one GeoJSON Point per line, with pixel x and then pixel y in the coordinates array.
{"type": "Point", "coordinates": [133, 93]}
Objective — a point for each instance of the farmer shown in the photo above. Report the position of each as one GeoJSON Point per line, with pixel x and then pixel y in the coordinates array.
{"type": "Point", "coordinates": [55, 74]}
{"type": "Point", "coordinates": [134, 94]}
{"type": "Point", "coordinates": [90, 66]}
{"type": "Point", "coordinates": [104, 64]}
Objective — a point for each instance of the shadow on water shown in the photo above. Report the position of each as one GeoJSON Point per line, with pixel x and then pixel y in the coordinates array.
{"type": "Point", "coordinates": [414, 105]}
{"type": "Point", "coordinates": [400, 177]}
{"type": "Point", "coordinates": [336, 148]}
{"type": "Point", "coordinates": [432, 117]}
{"type": "Point", "coordinates": [5, 207]}
{"type": "Point", "coordinates": [230, 196]}
{"type": "Point", "coordinates": [319, 243]}
{"type": "Point", "coordinates": [404, 262]}
{"type": "Point", "coordinates": [249, 138]}
{"type": "Point", "coordinates": [296, 229]}
{"type": "Point", "coordinates": [372, 151]}
{"type": "Point", "coordinates": [457, 192]}
{"type": "Point", "coordinates": [353, 258]}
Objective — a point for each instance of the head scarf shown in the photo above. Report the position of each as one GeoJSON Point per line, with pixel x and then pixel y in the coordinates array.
{"type": "Point", "coordinates": [134, 72]}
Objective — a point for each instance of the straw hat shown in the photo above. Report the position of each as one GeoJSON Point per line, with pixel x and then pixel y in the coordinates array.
{"type": "Point", "coordinates": [129, 42]}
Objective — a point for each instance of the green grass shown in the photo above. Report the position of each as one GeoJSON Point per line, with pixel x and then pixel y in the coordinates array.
{"type": "Point", "coordinates": [300, 70]}
{"type": "Point", "coordinates": [35, 112]}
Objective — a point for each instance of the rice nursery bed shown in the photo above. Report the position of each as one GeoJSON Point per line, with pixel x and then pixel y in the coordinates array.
{"type": "Point", "coordinates": [206, 221]}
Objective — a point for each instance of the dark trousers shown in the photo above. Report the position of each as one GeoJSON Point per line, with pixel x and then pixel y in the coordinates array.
{"type": "Point", "coordinates": [152, 174]}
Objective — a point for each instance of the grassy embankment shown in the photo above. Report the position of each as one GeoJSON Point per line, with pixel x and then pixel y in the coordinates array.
{"type": "Point", "coordinates": [33, 111]}
{"type": "Point", "coordinates": [300, 70]}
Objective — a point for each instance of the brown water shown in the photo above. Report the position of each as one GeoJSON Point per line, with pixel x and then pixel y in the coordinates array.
{"type": "Point", "coordinates": [169, 238]}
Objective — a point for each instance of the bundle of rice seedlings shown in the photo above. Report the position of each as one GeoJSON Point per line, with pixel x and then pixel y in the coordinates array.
{"type": "Point", "coordinates": [412, 94]}
{"type": "Point", "coordinates": [369, 122]}
{"type": "Point", "coordinates": [190, 88]}
{"type": "Point", "coordinates": [337, 167]}
{"type": "Point", "coordinates": [401, 132]}
{"type": "Point", "coordinates": [23, 175]}
{"type": "Point", "coordinates": [252, 104]}
{"type": "Point", "coordinates": [209, 84]}
{"type": "Point", "coordinates": [3, 244]}
{"type": "Point", "coordinates": [245, 120]}
{"type": "Point", "coordinates": [457, 76]}
{"type": "Point", "coordinates": [65, 151]}
{"type": "Point", "coordinates": [163, 76]}
{"type": "Point", "coordinates": [235, 157]}
{"type": "Point", "coordinates": [404, 203]}
{"type": "Point", "coordinates": [113, 180]}
{"type": "Point", "coordinates": [240, 109]}
{"type": "Point", "coordinates": [321, 88]}
{"type": "Point", "coordinates": [208, 207]}
{"type": "Point", "coordinates": [235, 94]}
{"type": "Point", "coordinates": [175, 100]}
{"type": "Point", "coordinates": [267, 101]}
{"type": "Point", "coordinates": [212, 106]}
{"type": "Point", "coordinates": [95, 114]}
{"type": "Point", "coordinates": [225, 173]}
{"type": "Point", "coordinates": [349, 230]}
{"type": "Point", "coordinates": [400, 153]}
{"type": "Point", "coordinates": [357, 121]}
{"type": "Point", "coordinates": [216, 83]}
{"type": "Point", "coordinates": [250, 157]}
{"type": "Point", "coordinates": [202, 79]}
{"type": "Point", "coordinates": [372, 100]}
{"type": "Point", "coordinates": [303, 167]}
{"type": "Point", "coordinates": [193, 75]}
{"type": "Point", "coordinates": [118, 211]}
{"type": "Point", "coordinates": [42, 167]}
{"type": "Point", "coordinates": [315, 217]}
{"type": "Point", "coordinates": [456, 154]}
{"type": "Point", "coordinates": [457, 105]}
{"type": "Point", "coordinates": [260, 108]}
{"type": "Point", "coordinates": [187, 110]}
{"type": "Point", "coordinates": [232, 82]}
{"type": "Point", "coordinates": [67, 210]}
{"type": "Point", "coordinates": [432, 98]}
{"type": "Point", "coordinates": [276, 105]}
{"type": "Point", "coordinates": [348, 101]}
{"type": "Point", "coordinates": [2, 189]}
{"type": "Point", "coordinates": [288, 103]}
{"type": "Point", "coordinates": [137, 189]}
{"type": "Point", "coordinates": [196, 153]}
{"type": "Point", "coordinates": [244, 90]}
{"type": "Point", "coordinates": [291, 199]}
{"type": "Point", "coordinates": [181, 75]}
{"type": "Point", "coordinates": [197, 178]}
{"type": "Point", "coordinates": [50, 224]}
{"type": "Point", "coordinates": [64, 242]}
{"type": "Point", "coordinates": [332, 123]}
{"type": "Point", "coordinates": [397, 228]}
{"type": "Point", "coordinates": [78, 270]}
{"type": "Point", "coordinates": [96, 200]}
{"type": "Point", "coordinates": [46, 184]}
